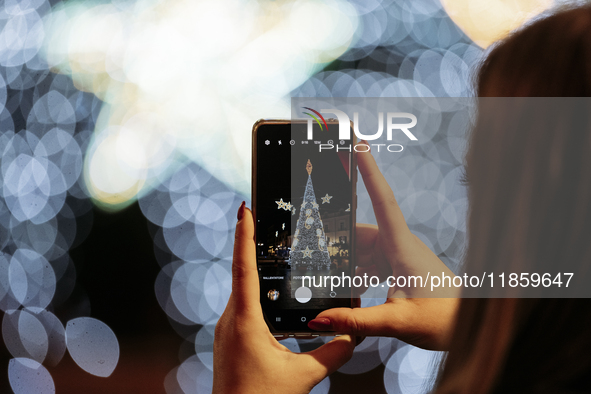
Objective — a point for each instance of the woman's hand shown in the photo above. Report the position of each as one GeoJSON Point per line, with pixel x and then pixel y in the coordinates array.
{"type": "Point", "coordinates": [247, 358]}
{"type": "Point", "coordinates": [415, 315]}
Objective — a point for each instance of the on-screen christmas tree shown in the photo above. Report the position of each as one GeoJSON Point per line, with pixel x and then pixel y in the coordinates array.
{"type": "Point", "coordinates": [309, 247]}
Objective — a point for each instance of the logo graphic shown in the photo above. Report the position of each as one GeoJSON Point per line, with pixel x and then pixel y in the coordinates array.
{"type": "Point", "coordinates": [390, 123]}
{"type": "Point", "coordinates": [315, 118]}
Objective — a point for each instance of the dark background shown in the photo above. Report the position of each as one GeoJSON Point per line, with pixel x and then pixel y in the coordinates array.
{"type": "Point", "coordinates": [116, 270]}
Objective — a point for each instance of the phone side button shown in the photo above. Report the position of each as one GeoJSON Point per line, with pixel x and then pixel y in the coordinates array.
{"type": "Point", "coordinates": [278, 336]}
{"type": "Point", "coordinates": [291, 336]}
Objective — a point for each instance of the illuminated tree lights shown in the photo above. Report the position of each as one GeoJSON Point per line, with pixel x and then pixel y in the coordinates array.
{"type": "Point", "coordinates": [309, 241]}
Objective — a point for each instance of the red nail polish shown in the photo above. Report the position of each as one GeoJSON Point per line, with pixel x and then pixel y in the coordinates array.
{"type": "Point", "coordinates": [320, 324]}
{"type": "Point", "coordinates": [241, 210]}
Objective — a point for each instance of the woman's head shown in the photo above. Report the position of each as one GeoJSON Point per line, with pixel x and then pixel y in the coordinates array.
{"type": "Point", "coordinates": [529, 173]}
{"type": "Point", "coordinates": [549, 58]}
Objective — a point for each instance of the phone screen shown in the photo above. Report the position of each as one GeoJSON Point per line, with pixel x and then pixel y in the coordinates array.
{"type": "Point", "coordinates": [304, 196]}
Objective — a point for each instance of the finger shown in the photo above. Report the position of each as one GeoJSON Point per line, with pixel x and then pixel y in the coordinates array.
{"type": "Point", "coordinates": [365, 239]}
{"type": "Point", "coordinates": [388, 213]}
{"type": "Point", "coordinates": [364, 259]}
{"type": "Point", "coordinates": [365, 236]}
{"type": "Point", "coordinates": [360, 272]}
{"type": "Point", "coordinates": [327, 358]}
{"type": "Point", "coordinates": [380, 320]}
{"type": "Point", "coordinates": [245, 277]}
{"type": "Point", "coordinates": [372, 271]}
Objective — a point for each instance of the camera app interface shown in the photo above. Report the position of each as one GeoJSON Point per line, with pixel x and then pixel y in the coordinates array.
{"type": "Point", "coordinates": [304, 221]}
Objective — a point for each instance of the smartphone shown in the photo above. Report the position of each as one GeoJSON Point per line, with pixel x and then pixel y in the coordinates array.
{"type": "Point", "coordinates": [304, 201]}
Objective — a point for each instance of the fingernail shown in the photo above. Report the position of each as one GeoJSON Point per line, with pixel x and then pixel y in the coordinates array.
{"type": "Point", "coordinates": [241, 210]}
{"type": "Point", "coordinates": [320, 324]}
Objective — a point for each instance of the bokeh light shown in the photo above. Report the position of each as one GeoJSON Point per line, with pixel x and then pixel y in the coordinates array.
{"type": "Point", "coordinates": [154, 100]}
{"type": "Point", "coordinates": [28, 376]}
{"type": "Point", "coordinates": [487, 21]}
{"type": "Point", "coordinates": [45, 127]}
{"type": "Point", "coordinates": [184, 79]}
{"type": "Point", "coordinates": [410, 370]}
{"type": "Point", "coordinates": [92, 345]}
